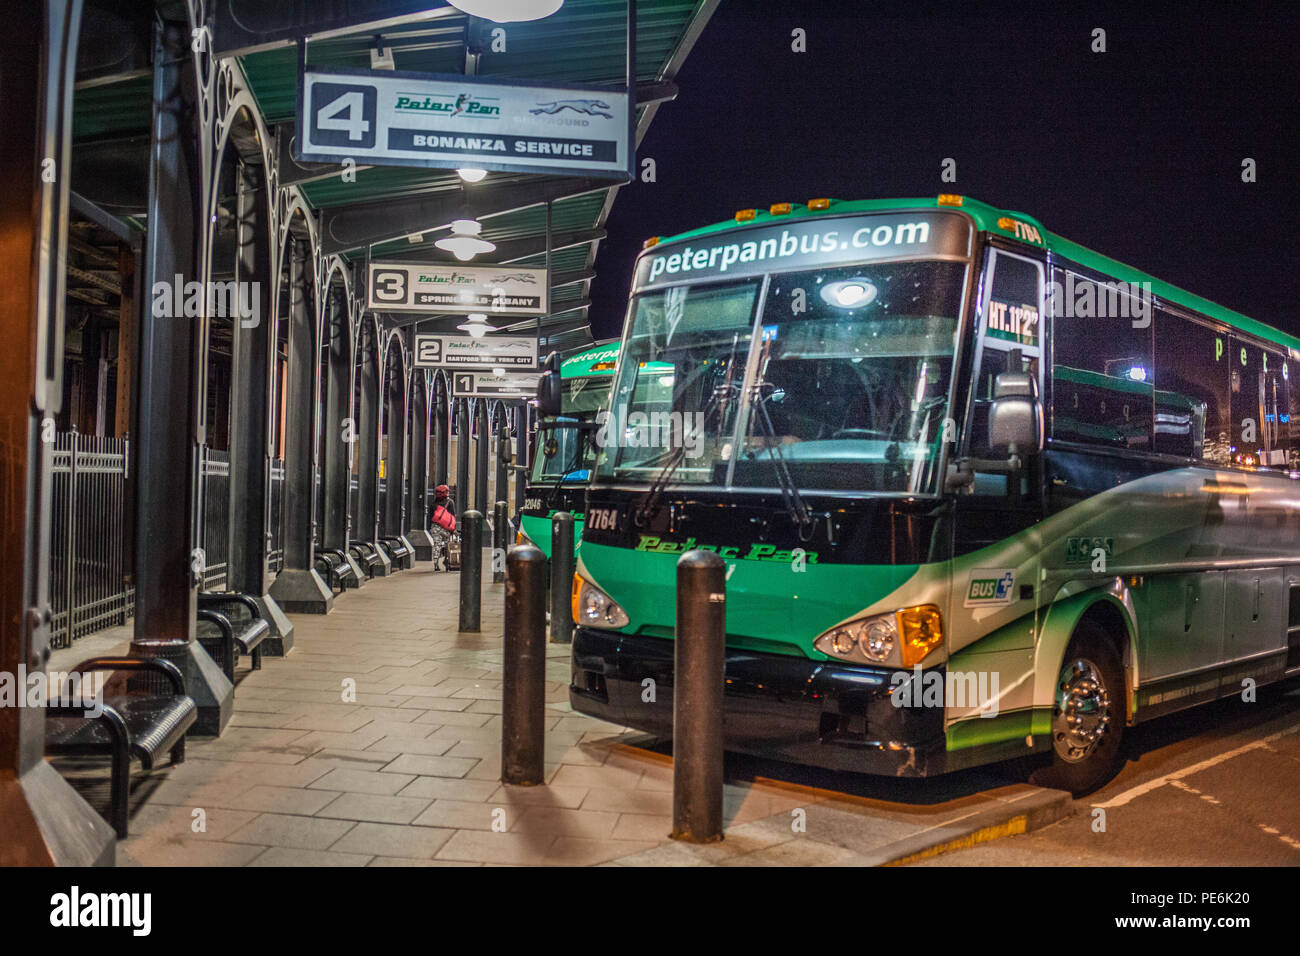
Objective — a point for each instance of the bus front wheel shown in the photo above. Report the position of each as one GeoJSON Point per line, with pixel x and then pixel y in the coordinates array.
{"type": "Point", "coordinates": [1087, 715]}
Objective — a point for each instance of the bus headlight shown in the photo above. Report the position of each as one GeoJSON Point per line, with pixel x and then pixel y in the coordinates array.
{"type": "Point", "coordinates": [592, 607]}
{"type": "Point", "coordinates": [905, 636]}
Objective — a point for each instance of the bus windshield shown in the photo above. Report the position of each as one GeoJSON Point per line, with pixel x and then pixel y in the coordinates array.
{"type": "Point", "coordinates": [844, 379]}
{"type": "Point", "coordinates": [563, 451]}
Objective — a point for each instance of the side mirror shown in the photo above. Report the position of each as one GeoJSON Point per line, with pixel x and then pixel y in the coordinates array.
{"type": "Point", "coordinates": [1016, 417]}
{"type": "Point", "coordinates": [548, 387]}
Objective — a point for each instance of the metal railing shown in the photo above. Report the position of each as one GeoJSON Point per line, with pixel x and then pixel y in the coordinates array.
{"type": "Point", "coordinates": [275, 551]}
{"type": "Point", "coordinates": [214, 470]}
{"type": "Point", "coordinates": [90, 553]}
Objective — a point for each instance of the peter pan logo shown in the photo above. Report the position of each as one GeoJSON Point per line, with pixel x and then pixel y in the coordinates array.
{"type": "Point", "coordinates": [463, 104]}
{"type": "Point", "coordinates": [755, 552]}
{"type": "Point", "coordinates": [453, 277]}
{"type": "Point", "coordinates": [990, 587]}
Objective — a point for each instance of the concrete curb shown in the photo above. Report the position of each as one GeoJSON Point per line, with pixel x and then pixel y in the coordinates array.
{"type": "Point", "coordinates": [1031, 812]}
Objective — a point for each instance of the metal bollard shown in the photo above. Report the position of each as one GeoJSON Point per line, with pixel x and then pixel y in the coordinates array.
{"type": "Point", "coordinates": [523, 715]}
{"type": "Point", "coordinates": [500, 525]}
{"type": "Point", "coordinates": [698, 672]}
{"type": "Point", "coordinates": [561, 578]}
{"type": "Point", "coordinates": [471, 570]}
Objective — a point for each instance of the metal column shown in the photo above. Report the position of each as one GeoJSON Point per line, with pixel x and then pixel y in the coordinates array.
{"type": "Point", "coordinates": [417, 508]}
{"type": "Point", "coordinates": [367, 526]}
{"type": "Point", "coordinates": [481, 442]}
{"type": "Point", "coordinates": [168, 566]}
{"type": "Point", "coordinates": [299, 587]}
{"type": "Point", "coordinates": [335, 469]}
{"type": "Point", "coordinates": [395, 421]}
{"type": "Point", "coordinates": [463, 446]}
{"type": "Point", "coordinates": [42, 819]}
{"type": "Point", "coordinates": [251, 380]}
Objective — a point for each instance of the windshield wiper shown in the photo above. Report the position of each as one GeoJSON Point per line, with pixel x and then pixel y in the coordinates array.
{"type": "Point", "coordinates": [794, 504]}
{"type": "Point", "coordinates": [675, 457]}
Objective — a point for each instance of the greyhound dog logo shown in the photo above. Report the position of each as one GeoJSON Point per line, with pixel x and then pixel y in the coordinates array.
{"type": "Point", "coordinates": [588, 107]}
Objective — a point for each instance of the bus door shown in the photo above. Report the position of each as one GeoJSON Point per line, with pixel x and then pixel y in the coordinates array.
{"type": "Point", "coordinates": [998, 592]}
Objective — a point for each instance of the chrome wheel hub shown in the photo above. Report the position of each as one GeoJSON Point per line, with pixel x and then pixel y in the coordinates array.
{"type": "Point", "coordinates": [1082, 712]}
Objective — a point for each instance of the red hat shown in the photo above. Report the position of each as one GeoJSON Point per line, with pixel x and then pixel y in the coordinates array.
{"type": "Point", "coordinates": [442, 491]}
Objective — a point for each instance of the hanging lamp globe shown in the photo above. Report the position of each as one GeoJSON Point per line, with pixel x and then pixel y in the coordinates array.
{"type": "Point", "coordinates": [508, 11]}
{"type": "Point", "coordinates": [464, 243]}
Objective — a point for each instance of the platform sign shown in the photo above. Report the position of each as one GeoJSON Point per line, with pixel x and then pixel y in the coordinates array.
{"type": "Point", "coordinates": [488, 385]}
{"type": "Point", "coordinates": [466, 352]}
{"type": "Point", "coordinates": [448, 121]}
{"type": "Point", "coordinates": [495, 290]}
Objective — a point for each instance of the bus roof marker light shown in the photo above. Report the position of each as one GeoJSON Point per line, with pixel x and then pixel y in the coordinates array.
{"type": "Point", "coordinates": [745, 215]}
{"type": "Point", "coordinates": [780, 208]}
{"type": "Point", "coordinates": [851, 293]}
{"type": "Point", "coordinates": [949, 199]}
{"type": "Point", "coordinates": [652, 241]}
{"type": "Point", "coordinates": [818, 204]}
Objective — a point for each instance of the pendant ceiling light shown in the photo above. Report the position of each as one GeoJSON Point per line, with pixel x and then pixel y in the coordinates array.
{"type": "Point", "coordinates": [508, 11]}
{"type": "Point", "coordinates": [471, 175]}
{"type": "Point", "coordinates": [464, 242]}
{"type": "Point", "coordinates": [476, 325]}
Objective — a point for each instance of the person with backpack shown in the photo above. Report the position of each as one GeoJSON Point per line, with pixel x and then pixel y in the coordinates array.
{"type": "Point", "coordinates": [442, 521]}
{"type": "Point", "coordinates": [444, 510]}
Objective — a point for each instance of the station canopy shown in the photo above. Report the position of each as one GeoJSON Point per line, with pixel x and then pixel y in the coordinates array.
{"type": "Point", "coordinates": [391, 212]}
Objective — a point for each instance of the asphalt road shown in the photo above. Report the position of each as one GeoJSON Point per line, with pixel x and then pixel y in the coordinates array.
{"type": "Point", "coordinates": [1217, 785]}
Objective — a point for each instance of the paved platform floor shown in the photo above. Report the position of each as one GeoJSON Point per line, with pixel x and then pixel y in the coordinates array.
{"type": "Point", "coordinates": [408, 773]}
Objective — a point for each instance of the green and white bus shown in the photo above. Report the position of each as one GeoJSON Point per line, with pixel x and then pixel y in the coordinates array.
{"type": "Point", "coordinates": [981, 492]}
{"type": "Point", "coordinates": [564, 456]}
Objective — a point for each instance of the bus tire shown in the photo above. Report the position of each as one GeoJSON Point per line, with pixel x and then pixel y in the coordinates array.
{"type": "Point", "coordinates": [1087, 715]}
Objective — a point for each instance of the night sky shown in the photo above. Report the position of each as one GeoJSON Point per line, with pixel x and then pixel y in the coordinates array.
{"type": "Point", "coordinates": [1135, 152]}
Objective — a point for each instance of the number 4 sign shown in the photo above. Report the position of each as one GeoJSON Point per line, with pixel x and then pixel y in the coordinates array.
{"type": "Point", "coordinates": [344, 115]}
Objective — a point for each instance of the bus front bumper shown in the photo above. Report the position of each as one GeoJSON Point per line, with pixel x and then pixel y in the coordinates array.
{"type": "Point", "coordinates": [817, 713]}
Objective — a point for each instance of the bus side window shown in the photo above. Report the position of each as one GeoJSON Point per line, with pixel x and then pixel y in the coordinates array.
{"type": "Point", "coordinates": [1191, 389]}
{"type": "Point", "coordinates": [1261, 411]}
{"type": "Point", "coordinates": [1012, 321]}
{"type": "Point", "coordinates": [1101, 366]}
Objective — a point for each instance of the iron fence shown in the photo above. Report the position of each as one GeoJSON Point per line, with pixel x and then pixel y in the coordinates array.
{"type": "Point", "coordinates": [215, 535]}
{"type": "Point", "coordinates": [90, 554]}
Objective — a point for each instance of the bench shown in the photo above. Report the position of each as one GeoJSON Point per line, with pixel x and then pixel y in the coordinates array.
{"type": "Point", "coordinates": [366, 555]}
{"type": "Point", "coordinates": [138, 726]}
{"type": "Point", "coordinates": [398, 552]}
{"type": "Point", "coordinates": [338, 568]}
{"type": "Point", "coordinates": [235, 626]}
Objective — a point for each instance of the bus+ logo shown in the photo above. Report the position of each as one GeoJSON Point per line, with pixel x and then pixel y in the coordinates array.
{"type": "Point", "coordinates": [990, 587]}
